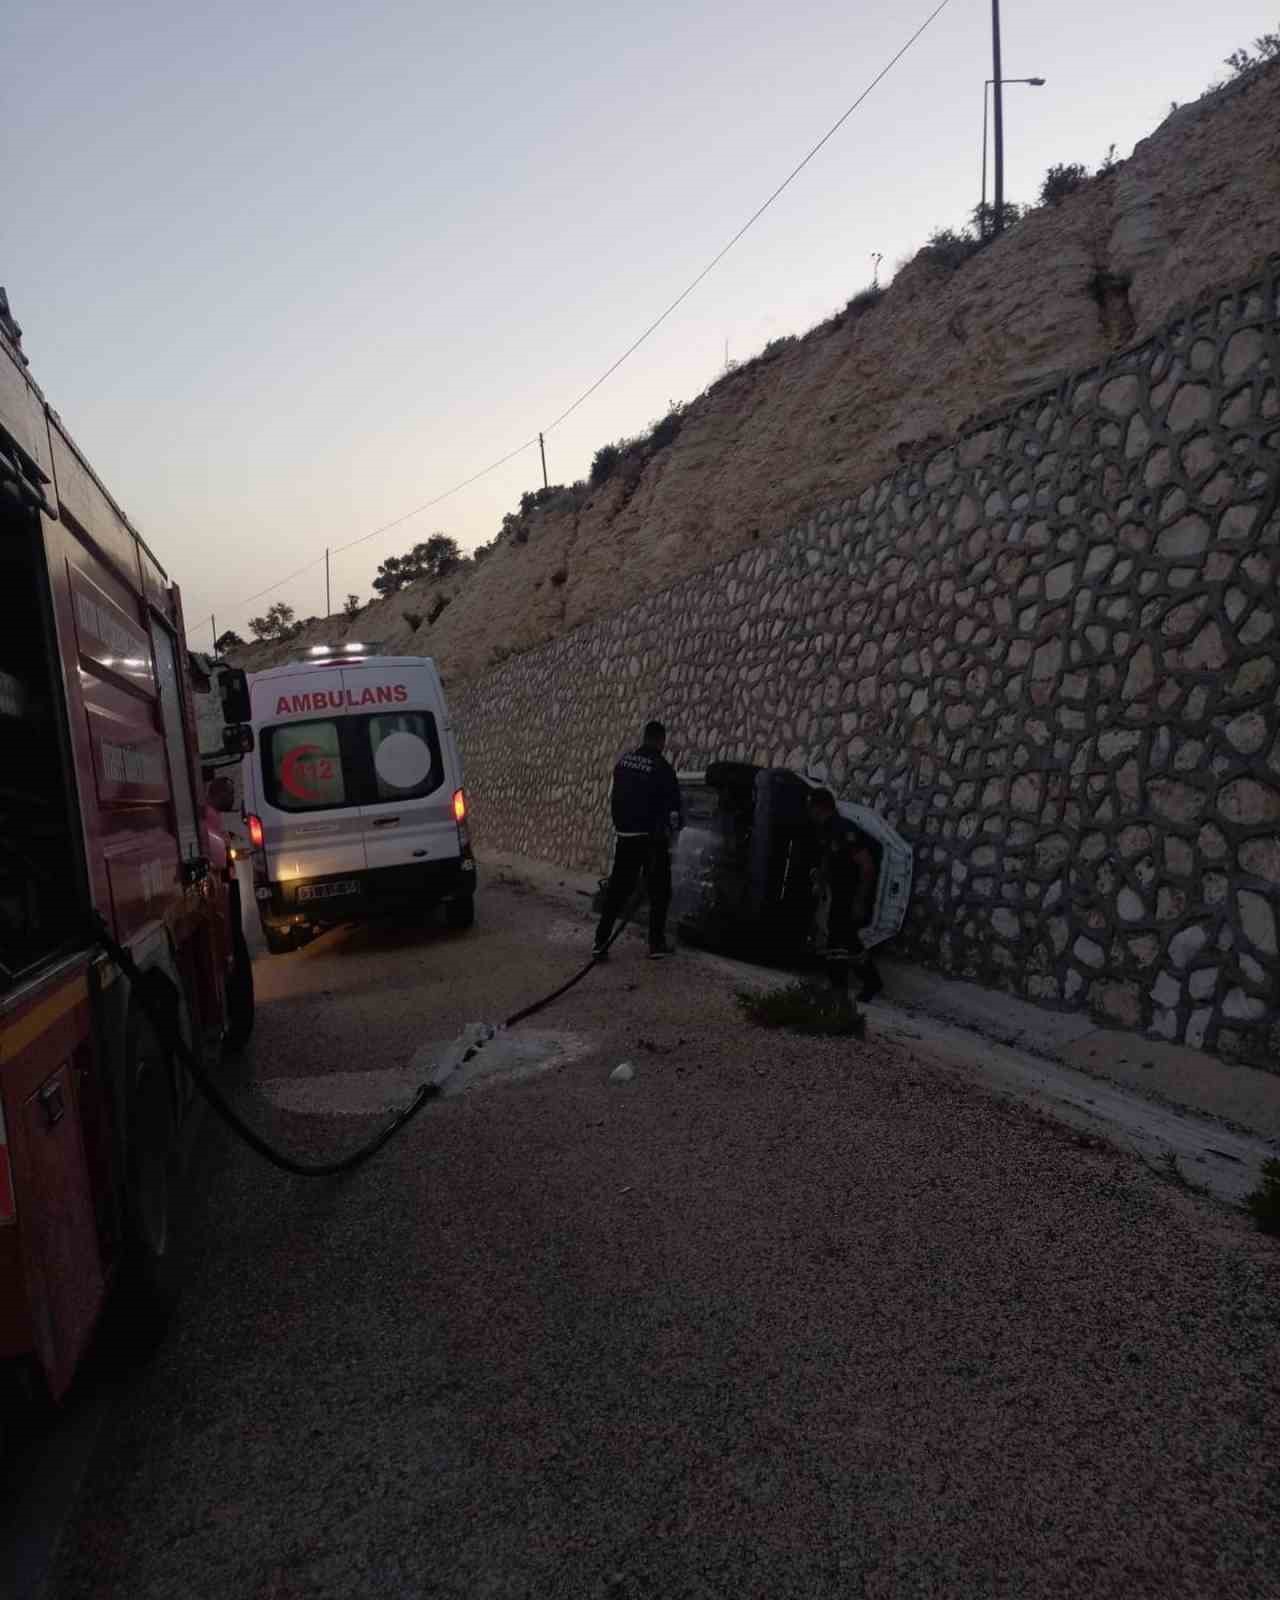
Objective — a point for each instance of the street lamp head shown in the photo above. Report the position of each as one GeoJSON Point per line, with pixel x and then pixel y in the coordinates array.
{"type": "Point", "coordinates": [1039, 82]}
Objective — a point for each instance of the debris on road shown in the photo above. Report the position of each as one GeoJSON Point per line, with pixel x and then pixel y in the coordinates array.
{"type": "Point", "coordinates": [452, 1056]}
{"type": "Point", "coordinates": [622, 1073]}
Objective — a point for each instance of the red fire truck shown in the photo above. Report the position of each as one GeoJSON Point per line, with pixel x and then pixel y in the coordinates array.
{"type": "Point", "coordinates": [102, 814]}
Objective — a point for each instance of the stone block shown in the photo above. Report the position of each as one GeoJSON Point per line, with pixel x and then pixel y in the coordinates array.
{"type": "Point", "coordinates": [1242, 1007]}
{"type": "Point", "coordinates": [1178, 802]}
{"type": "Point", "coordinates": [1261, 858]}
{"type": "Point", "coordinates": [1189, 536]}
{"type": "Point", "coordinates": [1243, 353]}
{"type": "Point", "coordinates": [1194, 402]}
{"type": "Point", "coordinates": [1129, 906]}
{"type": "Point", "coordinates": [1089, 953]}
{"type": "Point", "coordinates": [1187, 944]}
{"type": "Point", "coordinates": [1258, 920]}
{"type": "Point", "coordinates": [1249, 802]}
{"type": "Point", "coordinates": [1122, 1002]}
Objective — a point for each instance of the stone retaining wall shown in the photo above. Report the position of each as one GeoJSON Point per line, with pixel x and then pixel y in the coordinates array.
{"type": "Point", "coordinates": [1049, 654]}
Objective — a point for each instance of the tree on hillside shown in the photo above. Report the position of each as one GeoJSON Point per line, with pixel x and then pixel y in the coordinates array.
{"type": "Point", "coordinates": [275, 623]}
{"type": "Point", "coordinates": [352, 605]}
{"type": "Point", "coordinates": [230, 640]}
{"type": "Point", "coordinates": [435, 557]}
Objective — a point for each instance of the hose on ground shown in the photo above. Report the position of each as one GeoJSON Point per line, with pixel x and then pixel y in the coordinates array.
{"type": "Point", "coordinates": [157, 996]}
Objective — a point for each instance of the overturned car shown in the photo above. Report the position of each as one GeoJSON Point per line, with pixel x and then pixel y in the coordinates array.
{"type": "Point", "coordinates": [743, 866]}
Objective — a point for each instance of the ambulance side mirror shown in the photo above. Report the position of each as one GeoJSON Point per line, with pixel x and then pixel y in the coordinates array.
{"type": "Point", "coordinates": [237, 740]}
{"type": "Point", "coordinates": [233, 686]}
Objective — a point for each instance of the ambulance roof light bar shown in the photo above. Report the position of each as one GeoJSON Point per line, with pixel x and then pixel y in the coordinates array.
{"type": "Point", "coordinates": [317, 650]}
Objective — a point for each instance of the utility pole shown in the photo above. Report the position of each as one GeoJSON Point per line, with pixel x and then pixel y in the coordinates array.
{"type": "Point", "coordinates": [543, 448]}
{"type": "Point", "coordinates": [213, 623]}
{"type": "Point", "coordinates": [328, 608]}
{"type": "Point", "coordinates": [998, 220]}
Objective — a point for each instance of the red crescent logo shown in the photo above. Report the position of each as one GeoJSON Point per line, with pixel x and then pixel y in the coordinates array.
{"type": "Point", "coordinates": [292, 779]}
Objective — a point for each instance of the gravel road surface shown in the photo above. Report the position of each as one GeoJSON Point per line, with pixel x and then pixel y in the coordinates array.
{"type": "Point", "coordinates": [775, 1318]}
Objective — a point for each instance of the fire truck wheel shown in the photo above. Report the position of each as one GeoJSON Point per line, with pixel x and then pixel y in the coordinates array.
{"type": "Point", "coordinates": [460, 913]}
{"type": "Point", "coordinates": [150, 1187]}
{"type": "Point", "coordinates": [240, 997]}
{"type": "Point", "coordinates": [239, 979]}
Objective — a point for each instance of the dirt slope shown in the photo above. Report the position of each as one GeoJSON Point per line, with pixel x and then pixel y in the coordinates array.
{"type": "Point", "coordinates": [1196, 205]}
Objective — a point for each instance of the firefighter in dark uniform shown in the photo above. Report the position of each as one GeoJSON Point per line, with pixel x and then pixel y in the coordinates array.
{"type": "Point", "coordinates": [647, 811]}
{"type": "Point", "coordinates": [847, 872]}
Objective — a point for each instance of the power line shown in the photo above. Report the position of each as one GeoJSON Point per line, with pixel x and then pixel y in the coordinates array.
{"type": "Point", "coordinates": [751, 220]}
{"type": "Point", "coordinates": [648, 332]}
{"type": "Point", "coordinates": [427, 504]}
{"type": "Point", "coordinates": [271, 588]}
{"type": "Point", "coordinates": [387, 526]}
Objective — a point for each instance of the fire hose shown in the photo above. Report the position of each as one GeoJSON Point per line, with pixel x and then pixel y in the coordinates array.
{"type": "Point", "coordinates": [158, 997]}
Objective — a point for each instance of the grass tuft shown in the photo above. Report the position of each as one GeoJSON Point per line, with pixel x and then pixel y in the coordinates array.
{"type": "Point", "coordinates": [802, 1008]}
{"type": "Point", "coordinates": [1175, 1174]}
{"type": "Point", "coordinates": [1263, 1203]}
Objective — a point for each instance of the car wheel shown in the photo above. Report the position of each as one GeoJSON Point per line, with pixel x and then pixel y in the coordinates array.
{"type": "Point", "coordinates": [279, 944]}
{"type": "Point", "coordinates": [460, 914]}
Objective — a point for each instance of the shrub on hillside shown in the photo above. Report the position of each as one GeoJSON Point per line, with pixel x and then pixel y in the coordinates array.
{"type": "Point", "coordinates": [664, 432]}
{"type": "Point", "coordinates": [863, 301]}
{"type": "Point", "coordinates": [535, 499]}
{"type": "Point", "coordinates": [982, 221]}
{"type": "Point", "coordinates": [604, 464]}
{"type": "Point", "coordinates": [1061, 180]}
{"type": "Point", "coordinates": [1266, 48]}
{"type": "Point", "coordinates": [948, 248]}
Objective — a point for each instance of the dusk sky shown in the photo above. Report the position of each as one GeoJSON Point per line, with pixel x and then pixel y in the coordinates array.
{"type": "Point", "coordinates": [289, 271]}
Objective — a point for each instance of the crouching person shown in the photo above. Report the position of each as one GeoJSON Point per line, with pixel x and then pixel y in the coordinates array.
{"type": "Point", "coordinates": [847, 877]}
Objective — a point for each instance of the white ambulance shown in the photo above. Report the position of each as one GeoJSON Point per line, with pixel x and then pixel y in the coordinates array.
{"type": "Point", "coordinates": [353, 795]}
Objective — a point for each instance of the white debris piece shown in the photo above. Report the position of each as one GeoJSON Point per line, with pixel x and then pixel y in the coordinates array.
{"type": "Point", "coordinates": [622, 1073]}
{"type": "Point", "coordinates": [459, 1051]}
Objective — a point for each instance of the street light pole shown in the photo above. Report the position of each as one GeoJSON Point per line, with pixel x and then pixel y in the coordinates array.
{"type": "Point", "coordinates": [1036, 83]}
{"type": "Point", "coordinates": [997, 80]}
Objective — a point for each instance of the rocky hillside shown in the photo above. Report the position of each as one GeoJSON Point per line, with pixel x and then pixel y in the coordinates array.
{"type": "Point", "coordinates": [1196, 205]}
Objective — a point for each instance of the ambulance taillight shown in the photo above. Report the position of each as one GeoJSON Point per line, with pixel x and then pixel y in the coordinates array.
{"type": "Point", "coordinates": [460, 817]}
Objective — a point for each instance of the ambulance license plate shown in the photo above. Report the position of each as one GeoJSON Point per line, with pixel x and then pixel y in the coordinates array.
{"type": "Point", "coordinates": [326, 891]}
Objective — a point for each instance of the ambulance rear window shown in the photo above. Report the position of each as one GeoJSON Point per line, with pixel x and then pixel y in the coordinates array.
{"type": "Point", "coordinates": [302, 765]}
{"type": "Point", "coordinates": [334, 762]}
{"type": "Point", "coordinates": [406, 755]}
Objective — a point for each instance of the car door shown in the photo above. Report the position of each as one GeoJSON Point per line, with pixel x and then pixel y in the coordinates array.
{"type": "Point", "coordinates": [408, 814]}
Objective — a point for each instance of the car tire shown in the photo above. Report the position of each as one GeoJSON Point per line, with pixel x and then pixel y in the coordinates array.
{"type": "Point", "coordinates": [460, 914]}
{"type": "Point", "coordinates": [279, 944]}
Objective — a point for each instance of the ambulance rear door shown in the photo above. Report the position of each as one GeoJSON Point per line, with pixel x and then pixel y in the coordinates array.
{"type": "Point", "coordinates": [409, 816]}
